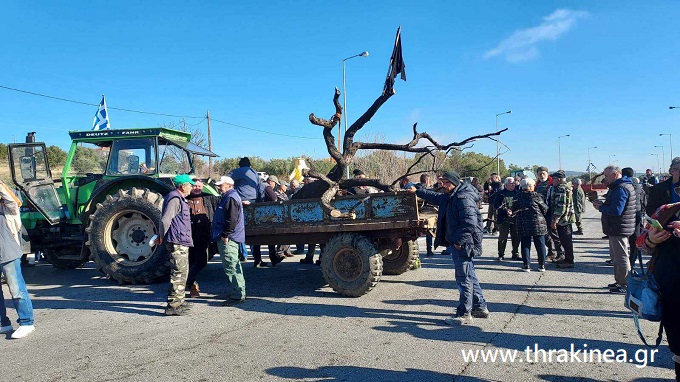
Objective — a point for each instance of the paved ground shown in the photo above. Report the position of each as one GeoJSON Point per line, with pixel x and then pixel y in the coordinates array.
{"type": "Point", "coordinates": [293, 327]}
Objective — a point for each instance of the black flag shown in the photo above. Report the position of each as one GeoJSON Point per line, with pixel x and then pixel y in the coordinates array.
{"type": "Point", "coordinates": [396, 66]}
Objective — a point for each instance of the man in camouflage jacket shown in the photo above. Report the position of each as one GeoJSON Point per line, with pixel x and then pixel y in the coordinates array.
{"type": "Point", "coordinates": [562, 208]}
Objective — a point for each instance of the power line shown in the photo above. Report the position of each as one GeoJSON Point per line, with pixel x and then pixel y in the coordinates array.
{"type": "Point", "coordinates": [152, 113]}
{"type": "Point", "coordinates": [96, 104]}
{"type": "Point", "coordinates": [262, 131]}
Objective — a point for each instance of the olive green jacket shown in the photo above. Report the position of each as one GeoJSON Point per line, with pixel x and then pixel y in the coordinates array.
{"type": "Point", "coordinates": [579, 200]}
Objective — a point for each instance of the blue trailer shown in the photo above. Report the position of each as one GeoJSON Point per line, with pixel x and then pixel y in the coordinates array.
{"type": "Point", "coordinates": [372, 234]}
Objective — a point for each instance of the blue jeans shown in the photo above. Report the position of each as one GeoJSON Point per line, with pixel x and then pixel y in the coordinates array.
{"type": "Point", "coordinates": [471, 296]}
{"type": "Point", "coordinates": [17, 288]}
{"type": "Point", "coordinates": [539, 243]}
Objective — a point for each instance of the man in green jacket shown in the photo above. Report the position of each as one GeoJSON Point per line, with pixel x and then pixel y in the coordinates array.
{"type": "Point", "coordinates": [562, 207]}
{"type": "Point", "coordinates": [579, 204]}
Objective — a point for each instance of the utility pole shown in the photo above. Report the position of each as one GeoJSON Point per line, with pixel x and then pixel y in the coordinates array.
{"type": "Point", "coordinates": [184, 124]}
{"type": "Point", "coordinates": [207, 116]}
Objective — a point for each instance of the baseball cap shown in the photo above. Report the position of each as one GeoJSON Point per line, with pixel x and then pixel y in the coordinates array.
{"type": "Point", "coordinates": [274, 179]}
{"type": "Point", "coordinates": [181, 179]}
{"type": "Point", "coordinates": [223, 180]}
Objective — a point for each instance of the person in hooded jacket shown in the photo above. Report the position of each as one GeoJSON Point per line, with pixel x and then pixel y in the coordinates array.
{"type": "Point", "coordinates": [459, 227]}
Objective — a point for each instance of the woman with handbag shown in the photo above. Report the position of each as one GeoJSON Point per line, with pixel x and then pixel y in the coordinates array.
{"type": "Point", "coordinates": [664, 246]}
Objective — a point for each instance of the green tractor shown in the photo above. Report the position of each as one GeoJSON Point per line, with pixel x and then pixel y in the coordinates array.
{"type": "Point", "coordinates": [108, 205]}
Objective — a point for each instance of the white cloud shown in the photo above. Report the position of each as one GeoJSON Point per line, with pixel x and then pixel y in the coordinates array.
{"type": "Point", "coordinates": [522, 45]}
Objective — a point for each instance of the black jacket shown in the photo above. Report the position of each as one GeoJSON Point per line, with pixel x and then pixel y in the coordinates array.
{"type": "Point", "coordinates": [659, 195]}
{"type": "Point", "coordinates": [503, 200]}
{"type": "Point", "coordinates": [529, 209]}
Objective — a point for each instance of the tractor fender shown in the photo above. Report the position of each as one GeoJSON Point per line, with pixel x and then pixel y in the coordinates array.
{"type": "Point", "coordinates": [160, 185]}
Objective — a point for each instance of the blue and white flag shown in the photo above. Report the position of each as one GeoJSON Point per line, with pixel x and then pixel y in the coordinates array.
{"type": "Point", "coordinates": [591, 167]}
{"type": "Point", "coordinates": [101, 118]}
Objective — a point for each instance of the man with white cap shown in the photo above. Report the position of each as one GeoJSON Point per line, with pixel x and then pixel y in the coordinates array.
{"type": "Point", "coordinates": [228, 230]}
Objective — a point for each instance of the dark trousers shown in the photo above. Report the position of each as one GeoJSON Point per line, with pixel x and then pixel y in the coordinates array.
{"type": "Point", "coordinates": [198, 258]}
{"type": "Point", "coordinates": [274, 257]}
{"type": "Point", "coordinates": [503, 231]}
{"type": "Point", "coordinates": [552, 241]}
{"type": "Point", "coordinates": [633, 251]}
{"type": "Point", "coordinates": [539, 244]}
{"type": "Point", "coordinates": [428, 243]}
{"type": "Point", "coordinates": [564, 232]}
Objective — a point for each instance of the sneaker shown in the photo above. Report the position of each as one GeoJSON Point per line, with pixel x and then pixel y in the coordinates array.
{"type": "Point", "coordinates": [541, 268]}
{"type": "Point", "coordinates": [609, 262]}
{"type": "Point", "coordinates": [23, 331]}
{"type": "Point", "coordinates": [605, 237]}
{"type": "Point", "coordinates": [6, 329]}
{"type": "Point", "coordinates": [178, 311]}
{"type": "Point", "coordinates": [465, 319]}
{"type": "Point", "coordinates": [526, 268]}
{"type": "Point", "coordinates": [480, 313]}
{"type": "Point", "coordinates": [194, 292]}
{"type": "Point", "coordinates": [613, 285]}
{"type": "Point", "coordinates": [500, 258]}
{"type": "Point", "coordinates": [618, 290]}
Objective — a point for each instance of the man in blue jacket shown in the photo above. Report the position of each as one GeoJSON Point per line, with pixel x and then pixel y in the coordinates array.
{"type": "Point", "coordinates": [618, 222]}
{"type": "Point", "coordinates": [459, 227]}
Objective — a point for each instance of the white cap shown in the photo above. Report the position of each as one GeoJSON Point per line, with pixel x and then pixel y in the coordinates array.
{"type": "Point", "coordinates": [224, 179]}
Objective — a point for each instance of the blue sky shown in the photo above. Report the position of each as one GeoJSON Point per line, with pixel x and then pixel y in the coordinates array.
{"type": "Point", "coordinates": [603, 72]}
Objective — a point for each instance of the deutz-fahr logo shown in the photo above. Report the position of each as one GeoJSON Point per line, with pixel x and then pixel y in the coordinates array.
{"type": "Point", "coordinates": [109, 133]}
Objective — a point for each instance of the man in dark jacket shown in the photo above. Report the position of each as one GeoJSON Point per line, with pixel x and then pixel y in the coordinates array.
{"type": "Point", "coordinates": [503, 203]}
{"type": "Point", "coordinates": [202, 209]}
{"type": "Point", "coordinates": [247, 182]}
{"type": "Point", "coordinates": [460, 228]}
{"type": "Point", "coordinates": [618, 222]}
{"type": "Point", "coordinates": [229, 232]}
{"type": "Point", "coordinates": [561, 207]}
{"type": "Point", "coordinates": [176, 234]}
{"type": "Point", "coordinates": [662, 193]}
{"type": "Point", "coordinates": [543, 187]}
{"type": "Point", "coordinates": [491, 187]}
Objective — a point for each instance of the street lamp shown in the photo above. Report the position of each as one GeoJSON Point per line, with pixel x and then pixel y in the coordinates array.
{"type": "Point", "coordinates": [590, 167]}
{"type": "Point", "coordinates": [670, 140]}
{"type": "Point", "coordinates": [663, 157]}
{"type": "Point", "coordinates": [657, 163]}
{"type": "Point", "coordinates": [344, 103]}
{"type": "Point", "coordinates": [498, 149]}
{"type": "Point", "coordinates": [559, 149]}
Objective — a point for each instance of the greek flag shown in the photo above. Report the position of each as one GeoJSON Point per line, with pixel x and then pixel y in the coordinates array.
{"type": "Point", "coordinates": [101, 117]}
{"type": "Point", "coordinates": [591, 167]}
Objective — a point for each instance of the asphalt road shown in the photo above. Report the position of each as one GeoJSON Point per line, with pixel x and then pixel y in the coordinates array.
{"type": "Point", "coordinates": [293, 327]}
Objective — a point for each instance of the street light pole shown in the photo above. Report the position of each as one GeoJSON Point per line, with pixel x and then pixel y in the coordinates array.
{"type": "Point", "coordinates": [344, 103]}
{"type": "Point", "coordinates": [498, 148]}
{"type": "Point", "coordinates": [590, 169]}
{"type": "Point", "coordinates": [559, 149]}
{"type": "Point", "coordinates": [670, 139]}
{"type": "Point", "coordinates": [657, 163]}
{"type": "Point", "coordinates": [663, 157]}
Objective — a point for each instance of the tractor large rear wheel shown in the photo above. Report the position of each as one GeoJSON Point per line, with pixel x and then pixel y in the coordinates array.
{"type": "Point", "coordinates": [119, 232]}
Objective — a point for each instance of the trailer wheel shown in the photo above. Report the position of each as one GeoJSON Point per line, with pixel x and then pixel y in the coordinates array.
{"type": "Point", "coordinates": [400, 261]}
{"type": "Point", "coordinates": [119, 233]}
{"type": "Point", "coordinates": [351, 264]}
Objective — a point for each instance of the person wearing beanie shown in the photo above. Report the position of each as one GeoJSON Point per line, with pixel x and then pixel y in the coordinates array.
{"type": "Point", "coordinates": [459, 227]}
